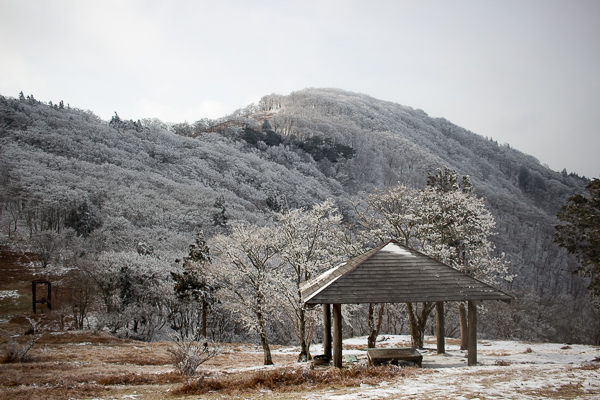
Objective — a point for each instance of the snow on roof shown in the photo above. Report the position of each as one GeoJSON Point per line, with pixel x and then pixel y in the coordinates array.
{"type": "Point", "coordinates": [394, 248]}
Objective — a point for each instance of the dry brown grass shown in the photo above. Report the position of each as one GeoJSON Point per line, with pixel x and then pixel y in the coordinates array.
{"type": "Point", "coordinates": [142, 379]}
{"type": "Point", "coordinates": [135, 357]}
{"type": "Point", "coordinates": [448, 341]}
{"type": "Point", "coordinates": [288, 380]}
{"type": "Point", "coordinates": [86, 365]}
{"type": "Point", "coordinates": [589, 366]}
{"type": "Point", "coordinates": [74, 337]}
{"type": "Point", "coordinates": [360, 347]}
{"type": "Point", "coordinates": [567, 391]}
{"type": "Point", "coordinates": [57, 392]}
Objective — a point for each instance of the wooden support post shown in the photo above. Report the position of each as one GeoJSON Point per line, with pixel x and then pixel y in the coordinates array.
{"type": "Point", "coordinates": [439, 329]}
{"type": "Point", "coordinates": [337, 335]}
{"type": "Point", "coordinates": [327, 330]}
{"type": "Point", "coordinates": [49, 297]}
{"type": "Point", "coordinates": [472, 346]}
{"type": "Point", "coordinates": [33, 295]}
{"type": "Point", "coordinates": [44, 300]}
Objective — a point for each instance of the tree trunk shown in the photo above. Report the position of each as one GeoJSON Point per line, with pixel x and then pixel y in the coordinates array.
{"type": "Point", "coordinates": [260, 299]}
{"type": "Point", "coordinates": [462, 317]}
{"type": "Point", "coordinates": [266, 350]}
{"type": "Point", "coordinates": [263, 340]}
{"type": "Point", "coordinates": [418, 322]}
{"type": "Point", "coordinates": [204, 312]}
{"type": "Point", "coordinates": [303, 356]}
{"type": "Point", "coordinates": [374, 329]}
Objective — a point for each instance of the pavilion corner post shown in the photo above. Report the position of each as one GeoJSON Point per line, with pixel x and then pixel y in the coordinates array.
{"type": "Point", "coordinates": [439, 328]}
{"type": "Point", "coordinates": [472, 327]}
{"type": "Point", "coordinates": [337, 335]}
{"type": "Point", "coordinates": [327, 330]}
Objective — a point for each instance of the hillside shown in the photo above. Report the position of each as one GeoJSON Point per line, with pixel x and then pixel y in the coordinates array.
{"type": "Point", "coordinates": [119, 183]}
{"type": "Point", "coordinates": [394, 143]}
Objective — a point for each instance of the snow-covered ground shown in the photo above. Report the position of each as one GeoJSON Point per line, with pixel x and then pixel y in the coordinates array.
{"type": "Point", "coordinates": [505, 370]}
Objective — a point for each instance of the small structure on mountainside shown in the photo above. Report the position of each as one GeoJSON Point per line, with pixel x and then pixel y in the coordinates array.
{"type": "Point", "coordinates": [47, 300]}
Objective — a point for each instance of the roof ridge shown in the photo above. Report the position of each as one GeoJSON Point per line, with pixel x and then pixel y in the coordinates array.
{"type": "Point", "coordinates": [398, 274]}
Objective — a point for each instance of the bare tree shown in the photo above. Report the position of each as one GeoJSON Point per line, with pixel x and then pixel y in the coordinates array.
{"type": "Point", "coordinates": [190, 351]}
{"type": "Point", "coordinates": [244, 265]}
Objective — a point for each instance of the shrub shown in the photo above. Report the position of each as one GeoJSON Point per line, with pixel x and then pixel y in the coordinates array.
{"type": "Point", "coordinates": [187, 353]}
{"type": "Point", "coordinates": [17, 352]}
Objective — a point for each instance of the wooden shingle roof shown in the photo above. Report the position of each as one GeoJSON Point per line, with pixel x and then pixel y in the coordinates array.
{"type": "Point", "coordinates": [393, 273]}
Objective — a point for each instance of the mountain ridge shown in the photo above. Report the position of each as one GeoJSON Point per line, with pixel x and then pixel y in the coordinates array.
{"type": "Point", "coordinates": [153, 182]}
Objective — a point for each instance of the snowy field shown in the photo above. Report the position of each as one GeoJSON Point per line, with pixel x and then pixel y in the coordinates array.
{"type": "Point", "coordinates": [506, 370]}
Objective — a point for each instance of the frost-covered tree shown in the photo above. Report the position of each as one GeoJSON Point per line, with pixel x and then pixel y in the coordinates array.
{"type": "Point", "coordinates": [455, 227]}
{"type": "Point", "coordinates": [445, 221]}
{"type": "Point", "coordinates": [193, 285]}
{"type": "Point", "coordinates": [133, 289]}
{"type": "Point", "coordinates": [50, 245]}
{"type": "Point", "coordinates": [390, 214]}
{"type": "Point", "coordinates": [311, 242]}
{"type": "Point", "coordinates": [244, 266]}
{"type": "Point", "coordinates": [394, 214]}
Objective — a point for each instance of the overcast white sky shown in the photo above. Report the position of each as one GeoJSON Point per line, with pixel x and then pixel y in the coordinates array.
{"type": "Point", "coordinates": [524, 72]}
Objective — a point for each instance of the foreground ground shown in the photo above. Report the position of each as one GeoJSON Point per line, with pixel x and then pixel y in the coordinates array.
{"type": "Point", "coordinates": [84, 365]}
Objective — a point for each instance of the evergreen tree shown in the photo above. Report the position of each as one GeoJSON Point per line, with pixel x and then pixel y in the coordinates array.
{"type": "Point", "coordinates": [220, 218]}
{"type": "Point", "coordinates": [83, 220]}
{"type": "Point", "coordinates": [580, 233]}
{"type": "Point", "coordinates": [115, 120]}
{"type": "Point", "coordinates": [266, 126]}
{"type": "Point", "coordinates": [192, 285]}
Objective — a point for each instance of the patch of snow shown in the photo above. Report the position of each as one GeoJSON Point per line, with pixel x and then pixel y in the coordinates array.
{"type": "Point", "coordinates": [394, 248]}
{"type": "Point", "coordinates": [9, 294]}
{"type": "Point", "coordinates": [529, 368]}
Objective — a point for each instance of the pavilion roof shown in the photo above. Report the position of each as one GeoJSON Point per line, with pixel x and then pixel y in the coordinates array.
{"type": "Point", "coordinates": [393, 273]}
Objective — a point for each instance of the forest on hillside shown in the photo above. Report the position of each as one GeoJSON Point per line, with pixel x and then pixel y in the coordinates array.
{"type": "Point", "coordinates": [121, 202]}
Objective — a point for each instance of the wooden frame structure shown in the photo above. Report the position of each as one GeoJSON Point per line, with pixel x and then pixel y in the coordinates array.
{"type": "Point", "coordinates": [393, 273]}
{"type": "Point", "coordinates": [44, 300]}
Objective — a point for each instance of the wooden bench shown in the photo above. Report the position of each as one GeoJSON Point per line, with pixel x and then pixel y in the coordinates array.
{"type": "Point", "coordinates": [378, 356]}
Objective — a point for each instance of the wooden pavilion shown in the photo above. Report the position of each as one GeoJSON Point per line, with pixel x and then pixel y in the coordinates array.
{"type": "Point", "coordinates": [393, 273]}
